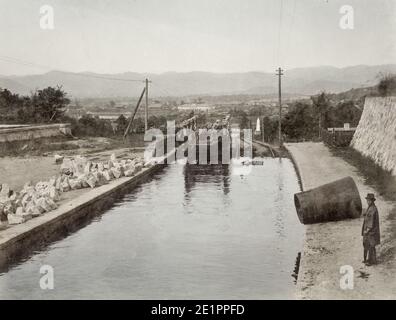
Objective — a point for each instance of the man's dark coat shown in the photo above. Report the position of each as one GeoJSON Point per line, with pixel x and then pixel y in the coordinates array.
{"type": "Point", "coordinates": [370, 228]}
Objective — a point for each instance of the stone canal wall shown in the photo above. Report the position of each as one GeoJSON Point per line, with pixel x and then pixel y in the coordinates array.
{"type": "Point", "coordinates": [33, 132]}
{"type": "Point", "coordinates": [20, 240]}
{"type": "Point", "coordinates": [375, 136]}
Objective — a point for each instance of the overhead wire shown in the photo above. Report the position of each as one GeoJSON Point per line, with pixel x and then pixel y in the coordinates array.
{"type": "Point", "coordinates": [291, 26]}
{"type": "Point", "coordinates": [163, 90]}
{"type": "Point", "coordinates": [279, 32]}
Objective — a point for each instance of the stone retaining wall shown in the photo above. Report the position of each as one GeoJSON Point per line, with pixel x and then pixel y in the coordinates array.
{"type": "Point", "coordinates": [375, 136]}
{"type": "Point", "coordinates": [34, 132]}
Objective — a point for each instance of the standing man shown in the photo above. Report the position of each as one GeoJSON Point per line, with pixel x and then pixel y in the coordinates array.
{"type": "Point", "coordinates": [370, 231]}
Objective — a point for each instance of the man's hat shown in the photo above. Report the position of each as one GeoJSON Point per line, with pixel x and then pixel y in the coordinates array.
{"type": "Point", "coordinates": [370, 196]}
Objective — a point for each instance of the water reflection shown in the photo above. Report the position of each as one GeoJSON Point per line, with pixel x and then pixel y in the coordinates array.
{"type": "Point", "coordinates": [217, 174]}
{"type": "Point", "coordinates": [279, 219]}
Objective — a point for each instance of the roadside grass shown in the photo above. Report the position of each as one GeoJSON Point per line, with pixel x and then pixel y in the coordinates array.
{"type": "Point", "coordinates": [382, 181]}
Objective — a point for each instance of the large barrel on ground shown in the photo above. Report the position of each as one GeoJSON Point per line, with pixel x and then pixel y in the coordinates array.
{"type": "Point", "coordinates": [334, 201]}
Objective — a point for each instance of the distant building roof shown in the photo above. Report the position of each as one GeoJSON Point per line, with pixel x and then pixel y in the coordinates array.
{"type": "Point", "coordinates": [195, 106]}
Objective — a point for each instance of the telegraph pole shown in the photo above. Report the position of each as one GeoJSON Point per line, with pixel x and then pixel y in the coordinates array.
{"type": "Point", "coordinates": [280, 74]}
{"type": "Point", "coordinates": [146, 108]}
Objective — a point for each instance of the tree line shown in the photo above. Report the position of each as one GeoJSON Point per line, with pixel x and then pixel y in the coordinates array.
{"type": "Point", "coordinates": [49, 105]}
{"type": "Point", "coordinates": [303, 120]}
{"type": "Point", "coordinates": [42, 106]}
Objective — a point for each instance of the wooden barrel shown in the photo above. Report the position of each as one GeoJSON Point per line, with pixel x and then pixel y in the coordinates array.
{"type": "Point", "coordinates": [334, 201]}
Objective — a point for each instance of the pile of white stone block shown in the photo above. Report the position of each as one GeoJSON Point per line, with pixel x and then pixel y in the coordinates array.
{"type": "Point", "coordinates": [80, 173]}
{"type": "Point", "coordinates": [31, 201]}
{"type": "Point", "coordinates": [76, 173]}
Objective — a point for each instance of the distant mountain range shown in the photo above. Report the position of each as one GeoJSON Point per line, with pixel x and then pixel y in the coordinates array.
{"type": "Point", "coordinates": [301, 81]}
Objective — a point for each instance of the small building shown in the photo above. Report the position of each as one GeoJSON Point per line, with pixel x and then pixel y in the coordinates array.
{"type": "Point", "coordinates": [340, 137]}
{"type": "Point", "coordinates": [195, 107]}
{"type": "Point", "coordinates": [108, 115]}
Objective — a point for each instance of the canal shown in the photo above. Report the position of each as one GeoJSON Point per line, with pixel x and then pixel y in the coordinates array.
{"type": "Point", "coordinates": [190, 232]}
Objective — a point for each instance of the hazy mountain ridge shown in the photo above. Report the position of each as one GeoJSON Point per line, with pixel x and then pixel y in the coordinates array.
{"type": "Point", "coordinates": [299, 81]}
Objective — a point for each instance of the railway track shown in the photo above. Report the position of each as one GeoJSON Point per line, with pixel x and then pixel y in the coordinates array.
{"type": "Point", "coordinates": [265, 145]}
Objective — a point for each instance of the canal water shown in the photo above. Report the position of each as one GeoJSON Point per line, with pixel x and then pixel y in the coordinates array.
{"type": "Point", "coordinates": [190, 232]}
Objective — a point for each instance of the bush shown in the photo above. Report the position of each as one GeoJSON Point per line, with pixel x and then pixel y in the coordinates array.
{"type": "Point", "coordinates": [91, 126]}
{"type": "Point", "coordinates": [43, 106]}
{"type": "Point", "coordinates": [387, 85]}
{"type": "Point", "coordinates": [300, 122]}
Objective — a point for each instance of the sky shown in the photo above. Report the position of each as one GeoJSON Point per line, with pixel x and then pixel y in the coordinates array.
{"type": "Point", "coordinates": [155, 36]}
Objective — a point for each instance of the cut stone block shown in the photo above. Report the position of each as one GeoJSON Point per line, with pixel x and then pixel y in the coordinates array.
{"type": "Point", "coordinates": [106, 175]}
{"type": "Point", "coordinates": [8, 208]}
{"type": "Point", "coordinates": [95, 175]}
{"type": "Point", "coordinates": [116, 172]}
{"type": "Point", "coordinates": [18, 202]}
{"type": "Point", "coordinates": [58, 159]}
{"type": "Point", "coordinates": [91, 180]}
{"type": "Point", "coordinates": [43, 205]}
{"type": "Point", "coordinates": [66, 167]}
{"type": "Point", "coordinates": [5, 190]}
{"type": "Point", "coordinates": [13, 196]}
{"type": "Point", "coordinates": [83, 180]}
{"type": "Point", "coordinates": [111, 174]}
{"type": "Point", "coordinates": [14, 219]}
{"type": "Point", "coordinates": [65, 186]}
{"type": "Point", "coordinates": [101, 178]}
{"type": "Point", "coordinates": [75, 184]}
{"type": "Point", "coordinates": [120, 168]}
{"type": "Point", "coordinates": [129, 173]}
{"type": "Point", "coordinates": [51, 204]}
{"type": "Point", "coordinates": [21, 213]}
{"type": "Point", "coordinates": [58, 183]}
{"type": "Point", "coordinates": [87, 168]}
{"type": "Point", "coordinates": [53, 194]}
{"type": "Point", "coordinates": [33, 210]}
{"type": "Point", "coordinates": [100, 166]}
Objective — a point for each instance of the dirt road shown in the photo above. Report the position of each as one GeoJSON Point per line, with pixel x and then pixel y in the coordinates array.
{"type": "Point", "coordinates": [328, 246]}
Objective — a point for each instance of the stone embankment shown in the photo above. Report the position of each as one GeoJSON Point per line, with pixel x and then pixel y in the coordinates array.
{"type": "Point", "coordinates": [75, 208]}
{"type": "Point", "coordinates": [375, 136]}
{"type": "Point", "coordinates": [28, 132]}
